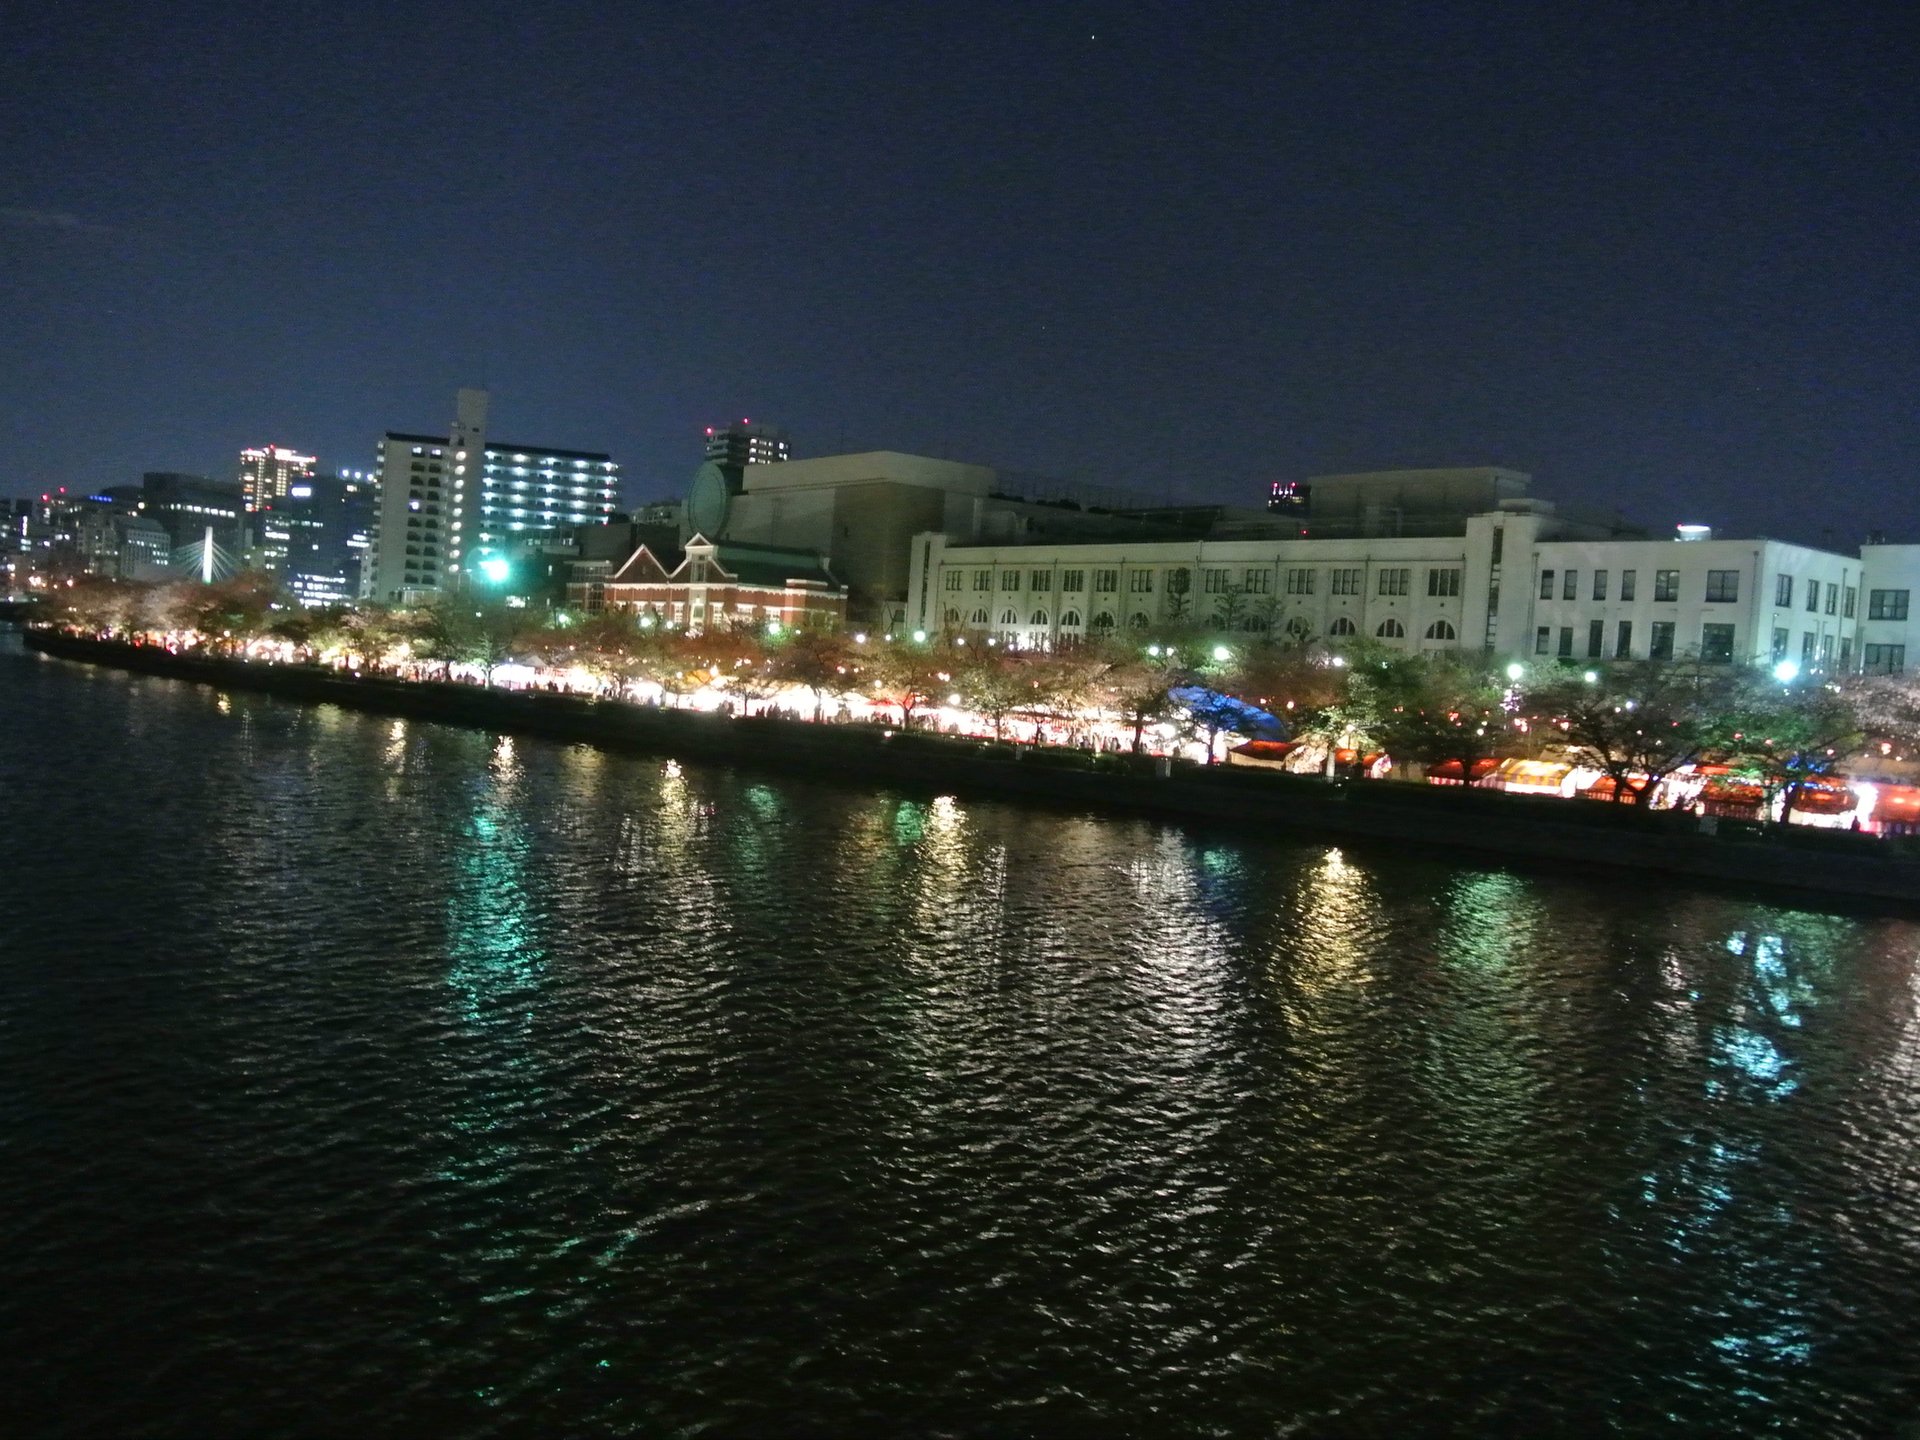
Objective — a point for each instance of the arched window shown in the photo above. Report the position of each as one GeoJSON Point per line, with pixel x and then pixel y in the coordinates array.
{"type": "Point", "coordinates": [1391, 630]}
{"type": "Point", "coordinates": [979, 617]}
{"type": "Point", "coordinates": [1343, 626]}
{"type": "Point", "coordinates": [1254, 624]}
{"type": "Point", "coordinates": [1039, 618]}
{"type": "Point", "coordinates": [1138, 620]}
{"type": "Point", "coordinates": [1070, 618]}
{"type": "Point", "coordinates": [1103, 623]}
{"type": "Point", "coordinates": [1008, 617]}
{"type": "Point", "coordinates": [1440, 630]}
{"type": "Point", "coordinates": [1299, 627]}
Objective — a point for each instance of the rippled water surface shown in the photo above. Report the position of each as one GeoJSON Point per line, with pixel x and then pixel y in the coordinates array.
{"type": "Point", "coordinates": [368, 1078]}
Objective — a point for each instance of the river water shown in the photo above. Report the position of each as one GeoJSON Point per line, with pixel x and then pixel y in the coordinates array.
{"type": "Point", "coordinates": [362, 1077]}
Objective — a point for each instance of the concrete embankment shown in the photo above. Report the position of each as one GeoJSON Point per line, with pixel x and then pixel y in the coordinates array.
{"type": "Point", "coordinates": [1800, 864]}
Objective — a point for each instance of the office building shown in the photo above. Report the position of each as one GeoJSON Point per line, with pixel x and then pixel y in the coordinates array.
{"type": "Point", "coordinates": [316, 537]}
{"type": "Point", "coordinates": [747, 444]}
{"type": "Point", "coordinates": [455, 504]}
{"type": "Point", "coordinates": [269, 472]}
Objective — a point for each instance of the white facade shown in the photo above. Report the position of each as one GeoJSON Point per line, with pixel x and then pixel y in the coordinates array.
{"type": "Point", "coordinates": [447, 504]}
{"type": "Point", "coordinates": [1889, 621]}
{"type": "Point", "coordinates": [1750, 601]}
{"type": "Point", "coordinates": [1499, 586]}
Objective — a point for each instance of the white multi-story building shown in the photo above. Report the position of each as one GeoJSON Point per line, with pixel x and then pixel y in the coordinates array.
{"type": "Point", "coordinates": [1889, 623]}
{"type": "Point", "coordinates": [449, 505]}
{"type": "Point", "coordinates": [1503, 582]}
{"type": "Point", "coordinates": [1736, 600]}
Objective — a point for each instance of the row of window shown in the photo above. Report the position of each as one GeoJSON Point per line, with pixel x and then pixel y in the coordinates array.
{"type": "Point", "coordinates": [1442, 581]}
{"type": "Point", "coordinates": [1716, 644]}
{"type": "Point", "coordinates": [1388, 629]}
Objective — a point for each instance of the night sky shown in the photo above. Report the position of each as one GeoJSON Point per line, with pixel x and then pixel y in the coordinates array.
{"type": "Point", "coordinates": [1665, 261]}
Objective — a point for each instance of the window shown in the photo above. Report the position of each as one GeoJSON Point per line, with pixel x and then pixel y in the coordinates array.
{"type": "Point", "coordinates": [1009, 579]}
{"type": "Point", "coordinates": [1179, 582]}
{"type": "Point", "coordinates": [952, 580]}
{"type": "Point", "coordinates": [1660, 647]}
{"type": "Point", "coordinates": [1723, 587]}
{"type": "Point", "coordinates": [1391, 629]}
{"type": "Point", "coordinates": [1009, 617]}
{"type": "Point", "coordinates": [1343, 626]}
{"type": "Point", "coordinates": [1716, 643]}
{"type": "Point", "coordinates": [1214, 581]}
{"type": "Point", "coordinates": [1070, 619]}
{"type": "Point", "coordinates": [1040, 580]}
{"type": "Point", "coordinates": [1299, 582]}
{"type": "Point", "coordinates": [1141, 582]}
{"type": "Point", "coordinates": [1846, 653]}
{"type": "Point", "coordinates": [1885, 659]}
{"type": "Point", "coordinates": [1039, 617]}
{"type": "Point", "coordinates": [1627, 579]}
{"type": "Point", "coordinates": [1826, 651]}
{"type": "Point", "coordinates": [1443, 582]}
{"type": "Point", "coordinates": [1073, 581]}
{"type": "Point", "coordinates": [1853, 599]}
{"type": "Point", "coordinates": [1833, 598]}
{"type": "Point", "coordinates": [1807, 641]}
{"type": "Point", "coordinates": [1543, 640]}
{"type": "Point", "coordinates": [1346, 582]}
{"type": "Point", "coordinates": [1259, 582]}
{"type": "Point", "coordinates": [1813, 596]}
{"type": "Point", "coordinates": [1783, 590]}
{"type": "Point", "coordinates": [1103, 623]}
{"type": "Point", "coordinates": [1440, 630]}
{"type": "Point", "coordinates": [1299, 629]}
{"type": "Point", "coordinates": [1499, 542]}
{"type": "Point", "coordinates": [1623, 640]}
{"type": "Point", "coordinates": [1887, 604]}
{"type": "Point", "coordinates": [1137, 620]}
{"type": "Point", "coordinates": [1780, 641]}
{"type": "Point", "coordinates": [1571, 590]}
{"type": "Point", "coordinates": [1599, 584]}
{"type": "Point", "coordinates": [983, 579]}
{"type": "Point", "coordinates": [1546, 584]}
{"type": "Point", "coordinates": [979, 617]}
{"type": "Point", "coordinates": [1596, 638]}
{"type": "Point", "coordinates": [953, 617]}
{"type": "Point", "coordinates": [1106, 582]}
{"type": "Point", "coordinates": [1566, 642]}
{"type": "Point", "coordinates": [1395, 582]}
{"type": "Point", "coordinates": [1666, 585]}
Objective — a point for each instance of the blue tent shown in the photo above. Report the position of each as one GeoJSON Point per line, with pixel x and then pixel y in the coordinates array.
{"type": "Point", "coordinates": [1224, 712]}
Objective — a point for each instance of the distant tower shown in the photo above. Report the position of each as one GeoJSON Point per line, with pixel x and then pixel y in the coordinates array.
{"type": "Point", "coordinates": [746, 444]}
{"type": "Point", "coordinates": [267, 472]}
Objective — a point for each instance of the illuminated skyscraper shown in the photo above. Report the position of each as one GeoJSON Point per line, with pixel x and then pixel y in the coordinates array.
{"type": "Point", "coordinates": [268, 472]}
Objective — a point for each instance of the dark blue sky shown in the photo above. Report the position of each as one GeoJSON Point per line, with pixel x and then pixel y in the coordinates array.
{"type": "Point", "coordinates": [1666, 261]}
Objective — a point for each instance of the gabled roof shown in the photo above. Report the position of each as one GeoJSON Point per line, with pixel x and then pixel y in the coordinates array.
{"type": "Point", "coordinates": [640, 567]}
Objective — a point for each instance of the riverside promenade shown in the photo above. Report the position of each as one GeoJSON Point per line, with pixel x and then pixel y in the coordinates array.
{"type": "Point", "coordinates": [1801, 865]}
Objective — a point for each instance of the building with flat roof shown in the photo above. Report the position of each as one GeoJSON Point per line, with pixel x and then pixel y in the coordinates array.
{"type": "Point", "coordinates": [268, 472]}
{"type": "Point", "coordinates": [456, 504]}
{"type": "Point", "coordinates": [747, 444]}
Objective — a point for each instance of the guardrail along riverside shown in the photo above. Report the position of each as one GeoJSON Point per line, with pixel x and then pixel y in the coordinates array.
{"type": "Point", "coordinates": [1799, 863]}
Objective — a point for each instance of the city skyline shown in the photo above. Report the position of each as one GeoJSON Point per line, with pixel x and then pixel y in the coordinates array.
{"type": "Point", "coordinates": [1181, 254]}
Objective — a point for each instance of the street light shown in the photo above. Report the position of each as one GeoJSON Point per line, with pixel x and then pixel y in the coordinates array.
{"type": "Point", "coordinates": [1222, 654]}
{"type": "Point", "coordinates": [919, 637]}
{"type": "Point", "coordinates": [1787, 671]}
{"type": "Point", "coordinates": [1154, 650]}
{"type": "Point", "coordinates": [494, 570]}
{"type": "Point", "coordinates": [1515, 671]}
{"type": "Point", "coordinates": [1592, 677]}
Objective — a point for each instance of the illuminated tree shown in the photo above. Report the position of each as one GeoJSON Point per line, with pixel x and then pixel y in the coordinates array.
{"type": "Point", "coordinates": [1642, 721]}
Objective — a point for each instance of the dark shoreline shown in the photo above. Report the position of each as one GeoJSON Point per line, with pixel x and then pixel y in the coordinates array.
{"type": "Point", "coordinates": [1803, 865]}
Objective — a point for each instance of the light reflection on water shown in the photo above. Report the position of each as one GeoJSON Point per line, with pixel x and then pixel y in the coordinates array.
{"type": "Point", "coordinates": [597, 1094]}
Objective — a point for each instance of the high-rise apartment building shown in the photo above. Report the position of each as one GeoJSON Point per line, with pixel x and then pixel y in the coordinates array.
{"type": "Point", "coordinates": [449, 505]}
{"type": "Point", "coordinates": [268, 472]}
{"type": "Point", "coordinates": [746, 444]}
